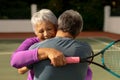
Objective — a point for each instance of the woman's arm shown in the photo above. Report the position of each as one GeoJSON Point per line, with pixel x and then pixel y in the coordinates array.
{"type": "Point", "coordinates": [23, 47]}
{"type": "Point", "coordinates": [24, 58]}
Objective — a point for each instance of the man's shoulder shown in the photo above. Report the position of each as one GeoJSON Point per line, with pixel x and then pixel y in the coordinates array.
{"type": "Point", "coordinates": [83, 44]}
{"type": "Point", "coordinates": [44, 43]}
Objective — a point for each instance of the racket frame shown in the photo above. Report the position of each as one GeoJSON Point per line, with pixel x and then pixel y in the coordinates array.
{"type": "Point", "coordinates": [102, 59]}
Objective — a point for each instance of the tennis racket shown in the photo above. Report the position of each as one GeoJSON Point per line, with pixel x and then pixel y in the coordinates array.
{"type": "Point", "coordinates": [110, 58]}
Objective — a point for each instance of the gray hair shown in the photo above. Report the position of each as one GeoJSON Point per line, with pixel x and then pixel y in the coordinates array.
{"type": "Point", "coordinates": [70, 21]}
{"type": "Point", "coordinates": [43, 15]}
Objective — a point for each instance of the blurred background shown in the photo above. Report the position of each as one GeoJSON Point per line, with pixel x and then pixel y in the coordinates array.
{"type": "Point", "coordinates": [101, 26]}
{"type": "Point", "coordinates": [91, 10]}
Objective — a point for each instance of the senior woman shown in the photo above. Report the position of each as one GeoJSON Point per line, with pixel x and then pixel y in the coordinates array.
{"type": "Point", "coordinates": [44, 24]}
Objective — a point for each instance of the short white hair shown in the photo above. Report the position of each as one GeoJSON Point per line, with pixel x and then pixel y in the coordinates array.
{"type": "Point", "coordinates": [43, 15]}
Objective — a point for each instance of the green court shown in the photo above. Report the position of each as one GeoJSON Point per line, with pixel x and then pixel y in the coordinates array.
{"type": "Point", "coordinates": [7, 47]}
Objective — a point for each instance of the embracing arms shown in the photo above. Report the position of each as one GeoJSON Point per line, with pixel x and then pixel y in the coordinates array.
{"type": "Point", "coordinates": [24, 57]}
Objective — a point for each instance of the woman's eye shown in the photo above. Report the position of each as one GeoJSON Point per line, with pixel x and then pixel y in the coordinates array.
{"type": "Point", "coordinates": [41, 31]}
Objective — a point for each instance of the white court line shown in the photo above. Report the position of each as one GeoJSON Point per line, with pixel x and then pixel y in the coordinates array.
{"type": "Point", "coordinates": [5, 53]}
{"type": "Point", "coordinates": [105, 43]}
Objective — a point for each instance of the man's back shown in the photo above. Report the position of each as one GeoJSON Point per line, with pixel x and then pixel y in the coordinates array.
{"type": "Point", "coordinates": [70, 47]}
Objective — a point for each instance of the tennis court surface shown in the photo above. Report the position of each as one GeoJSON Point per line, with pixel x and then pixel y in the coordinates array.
{"type": "Point", "coordinates": [7, 46]}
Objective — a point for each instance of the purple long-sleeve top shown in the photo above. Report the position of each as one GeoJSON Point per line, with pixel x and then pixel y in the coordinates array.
{"type": "Point", "coordinates": [22, 56]}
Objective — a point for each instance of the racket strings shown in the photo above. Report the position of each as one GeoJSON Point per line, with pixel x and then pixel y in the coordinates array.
{"type": "Point", "coordinates": [112, 58]}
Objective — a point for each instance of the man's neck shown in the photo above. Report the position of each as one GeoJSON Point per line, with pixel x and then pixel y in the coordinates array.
{"type": "Point", "coordinates": [63, 34]}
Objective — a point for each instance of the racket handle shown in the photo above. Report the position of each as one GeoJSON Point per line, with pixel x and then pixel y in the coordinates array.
{"type": "Point", "coordinates": [71, 60]}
